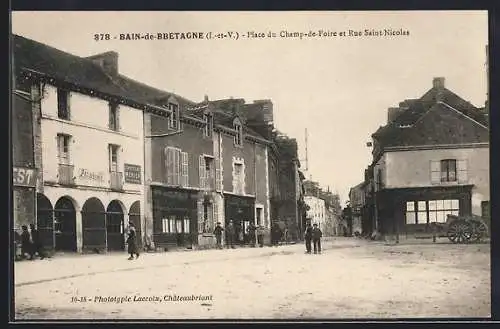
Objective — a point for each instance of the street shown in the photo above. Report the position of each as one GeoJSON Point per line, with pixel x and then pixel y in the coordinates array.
{"type": "Point", "coordinates": [352, 278]}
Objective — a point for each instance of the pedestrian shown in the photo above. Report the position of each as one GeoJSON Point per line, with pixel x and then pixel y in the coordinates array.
{"type": "Point", "coordinates": [230, 234]}
{"type": "Point", "coordinates": [37, 242]}
{"type": "Point", "coordinates": [316, 235]}
{"type": "Point", "coordinates": [308, 237]}
{"type": "Point", "coordinates": [260, 235]}
{"type": "Point", "coordinates": [218, 235]}
{"type": "Point", "coordinates": [26, 244]}
{"type": "Point", "coordinates": [132, 242]}
{"type": "Point", "coordinates": [251, 234]}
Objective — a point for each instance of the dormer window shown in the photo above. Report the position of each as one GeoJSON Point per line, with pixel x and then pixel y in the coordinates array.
{"type": "Point", "coordinates": [209, 125]}
{"type": "Point", "coordinates": [238, 138]}
{"type": "Point", "coordinates": [174, 116]}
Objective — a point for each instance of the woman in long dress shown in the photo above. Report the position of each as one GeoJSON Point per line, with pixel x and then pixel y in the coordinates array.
{"type": "Point", "coordinates": [132, 242]}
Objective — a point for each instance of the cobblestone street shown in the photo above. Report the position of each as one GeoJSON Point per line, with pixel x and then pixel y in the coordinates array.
{"type": "Point", "coordinates": [352, 278]}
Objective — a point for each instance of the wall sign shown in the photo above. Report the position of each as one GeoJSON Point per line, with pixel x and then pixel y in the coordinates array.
{"type": "Point", "coordinates": [132, 173]}
{"type": "Point", "coordinates": [87, 174]}
{"type": "Point", "coordinates": [24, 176]}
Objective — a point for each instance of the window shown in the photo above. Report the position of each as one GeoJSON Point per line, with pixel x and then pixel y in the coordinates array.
{"type": "Point", "coordinates": [174, 116]}
{"type": "Point", "coordinates": [239, 134]}
{"type": "Point", "coordinates": [63, 152]}
{"type": "Point", "coordinates": [206, 171]}
{"type": "Point", "coordinates": [168, 225]}
{"type": "Point", "coordinates": [209, 125]}
{"type": "Point", "coordinates": [432, 211]}
{"type": "Point", "coordinates": [186, 225]}
{"type": "Point", "coordinates": [113, 116]}
{"type": "Point", "coordinates": [176, 166]}
{"type": "Point", "coordinates": [113, 157]}
{"type": "Point", "coordinates": [63, 104]}
{"type": "Point", "coordinates": [448, 170]}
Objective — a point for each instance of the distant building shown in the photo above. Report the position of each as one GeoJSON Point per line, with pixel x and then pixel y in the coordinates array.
{"type": "Point", "coordinates": [357, 200]}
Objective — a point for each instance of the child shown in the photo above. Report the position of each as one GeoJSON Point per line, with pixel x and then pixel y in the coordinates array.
{"type": "Point", "coordinates": [316, 235]}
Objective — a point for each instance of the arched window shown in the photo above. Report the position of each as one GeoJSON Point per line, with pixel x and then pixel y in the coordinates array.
{"type": "Point", "coordinates": [238, 138]}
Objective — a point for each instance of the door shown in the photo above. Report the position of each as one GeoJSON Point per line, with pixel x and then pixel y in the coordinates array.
{"type": "Point", "coordinates": [115, 226]}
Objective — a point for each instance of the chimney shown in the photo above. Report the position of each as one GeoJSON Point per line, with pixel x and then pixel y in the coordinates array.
{"type": "Point", "coordinates": [108, 61]}
{"type": "Point", "coordinates": [393, 113]}
{"type": "Point", "coordinates": [438, 83]}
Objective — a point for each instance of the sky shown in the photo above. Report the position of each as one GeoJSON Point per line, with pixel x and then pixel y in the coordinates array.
{"type": "Point", "coordinates": [338, 87]}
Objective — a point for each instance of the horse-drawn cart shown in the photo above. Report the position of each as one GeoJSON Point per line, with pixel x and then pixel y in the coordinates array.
{"type": "Point", "coordinates": [463, 229]}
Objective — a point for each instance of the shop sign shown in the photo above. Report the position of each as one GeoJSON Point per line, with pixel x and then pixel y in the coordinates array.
{"type": "Point", "coordinates": [132, 173]}
{"type": "Point", "coordinates": [24, 176]}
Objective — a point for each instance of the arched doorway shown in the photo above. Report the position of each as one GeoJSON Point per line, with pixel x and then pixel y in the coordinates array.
{"type": "Point", "coordinates": [93, 225]}
{"type": "Point", "coordinates": [114, 226]}
{"type": "Point", "coordinates": [44, 220]}
{"type": "Point", "coordinates": [135, 217]}
{"type": "Point", "coordinates": [64, 225]}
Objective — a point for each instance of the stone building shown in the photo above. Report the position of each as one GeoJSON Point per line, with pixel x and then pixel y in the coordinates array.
{"type": "Point", "coordinates": [431, 159]}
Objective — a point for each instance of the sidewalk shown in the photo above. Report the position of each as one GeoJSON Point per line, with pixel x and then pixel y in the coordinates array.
{"type": "Point", "coordinates": [75, 265]}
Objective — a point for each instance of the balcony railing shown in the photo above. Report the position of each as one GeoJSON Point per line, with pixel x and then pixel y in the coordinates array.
{"type": "Point", "coordinates": [65, 174]}
{"type": "Point", "coordinates": [208, 183]}
{"type": "Point", "coordinates": [116, 180]}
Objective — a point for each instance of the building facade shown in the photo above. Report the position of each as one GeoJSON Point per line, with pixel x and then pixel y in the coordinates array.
{"type": "Point", "coordinates": [431, 160]}
{"type": "Point", "coordinates": [88, 149]}
{"type": "Point", "coordinates": [357, 199]}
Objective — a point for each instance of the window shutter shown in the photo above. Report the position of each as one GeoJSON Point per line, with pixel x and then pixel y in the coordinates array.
{"type": "Point", "coordinates": [185, 180]}
{"type": "Point", "coordinates": [200, 215]}
{"type": "Point", "coordinates": [216, 214]}
{"type": "Point", "coordinates": [202, 171]}
{"type": "Point", "coordinates": [462, 171]}
{"type": "Point", "coordinates": [218, 176]}
{"type": "Point", "coordinates": [177, 167]}
{"type": "Point", "coordinates": [169, 165]}
{"type": "Point", "coordinates": [68, 103]}
{"type": "Point", "coordinates": [435, 171]}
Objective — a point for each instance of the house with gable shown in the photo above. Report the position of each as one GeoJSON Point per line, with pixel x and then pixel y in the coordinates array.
{"type": "Point", "coordinates": [431, 159]}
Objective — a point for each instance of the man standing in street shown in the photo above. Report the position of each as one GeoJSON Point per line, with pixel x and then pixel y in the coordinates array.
{"type": "Point", "coordinates": [230, 232]}
{"type": "Point", "coordinates": [37, 242]}
{"type": "Point", "coordinates": [308, 237]}
{"type": "Point", "coordinates": [316, 235]}
{"type": "Point", "coordinates": [218, 235]}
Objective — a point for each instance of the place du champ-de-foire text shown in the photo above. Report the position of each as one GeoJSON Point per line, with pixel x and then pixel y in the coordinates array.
{"type": "Point", "coordinates": [255, 34]}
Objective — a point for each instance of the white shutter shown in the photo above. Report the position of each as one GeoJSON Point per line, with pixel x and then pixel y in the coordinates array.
{"type": "Point", "coordinates": [462, 171]}
{"type": "Point", "coordinates": [177, 166]}
{"type": "Point", "coordinates": [185, 180]}
{"type": "Point", "coordinates": [200, 215]}
{"type": "Point", "coordinates": [169, 165]}
{"type": "Point", "coordinates": [435, 171]}
{"type": "Point", "coordinates": [202, 171]}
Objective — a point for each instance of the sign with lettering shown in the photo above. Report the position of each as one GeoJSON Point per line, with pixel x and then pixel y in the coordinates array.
{"type": "Point", "coordinates": [132, 173]}
{"type": "Point", "coordinates": [89, 175]}
{"type": "Point", "coordinates": [24, 176]}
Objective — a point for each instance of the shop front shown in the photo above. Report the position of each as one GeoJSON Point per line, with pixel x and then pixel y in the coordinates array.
{"type": "Point", "coordinates": [411, 211]}
{"type": "Point", "coordinates": [174, 217]}
{"type": "Point", "coordinates": [241, 210]}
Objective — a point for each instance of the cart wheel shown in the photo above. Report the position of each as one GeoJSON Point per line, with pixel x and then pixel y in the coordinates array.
{"type": "Point", "coordinates": [459, 231]}
{"type": "Point", "coordinates": [479, 230]}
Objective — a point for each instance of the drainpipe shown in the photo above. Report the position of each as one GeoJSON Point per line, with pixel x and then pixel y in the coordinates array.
{"type": "Point", "coordinates": [255, 187]}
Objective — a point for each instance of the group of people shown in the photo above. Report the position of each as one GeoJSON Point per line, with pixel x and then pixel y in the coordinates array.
{"type": "Point", "coordinates": [31, 243]}
{"type": "Point", "coordinates": [314, 234]}
{"type": "Point", "coordinates": [231, 234]}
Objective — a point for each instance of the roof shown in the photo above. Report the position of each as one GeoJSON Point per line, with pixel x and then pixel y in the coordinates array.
{"type": "Point", "coordinates": [402, 131]}
{"type": "Point", "coordinates": [82, 71]}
